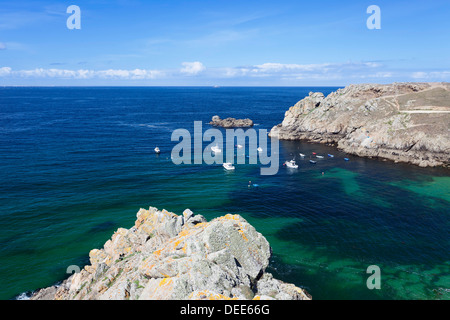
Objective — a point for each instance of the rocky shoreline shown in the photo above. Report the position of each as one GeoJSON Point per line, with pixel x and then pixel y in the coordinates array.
{"type": "Point", "coordinates": [403, 122]}
{"type": "Point", "coordinates": [165, 256]}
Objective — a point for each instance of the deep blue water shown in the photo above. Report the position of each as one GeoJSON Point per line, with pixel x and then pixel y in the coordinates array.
{"type": "Point", "coordinates": [77, 163]}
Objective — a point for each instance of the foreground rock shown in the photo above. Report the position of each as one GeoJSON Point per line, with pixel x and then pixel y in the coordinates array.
{"type": "Point", "coordinates": [231, 122]}
{"type": "Point", "coordinates": [165, 256]}
{"type": "Point", "coordinates": [405, 122]}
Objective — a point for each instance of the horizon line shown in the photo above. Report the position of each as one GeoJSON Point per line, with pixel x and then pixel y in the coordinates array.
{"type": "Point", "coordinates": [167, 86]}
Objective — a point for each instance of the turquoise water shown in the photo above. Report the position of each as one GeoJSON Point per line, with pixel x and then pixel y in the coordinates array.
{"type": "Point", "coordinates": [77, 163]}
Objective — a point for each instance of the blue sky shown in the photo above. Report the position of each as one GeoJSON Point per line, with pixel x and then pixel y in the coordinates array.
{"type": "Point", "coordinates": [215, 42]}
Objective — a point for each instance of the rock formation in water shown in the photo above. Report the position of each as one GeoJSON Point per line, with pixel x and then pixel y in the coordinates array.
{"type": "Point", "coordinates": [404, 122]}
{"type": "Point", "coordinates": [166, 256]}
{"type": "Point", "coordinates": [231, 122]}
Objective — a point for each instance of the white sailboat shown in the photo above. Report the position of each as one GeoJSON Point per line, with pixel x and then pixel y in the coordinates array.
{"type": "Point", "coordinates": [216, 149]}
{"type": "Point", "coordinates": [157, 150]}
{"type": "Point", "coordinates": [291, 164]}
{"type": "Point", "coordinates": [228, 166]}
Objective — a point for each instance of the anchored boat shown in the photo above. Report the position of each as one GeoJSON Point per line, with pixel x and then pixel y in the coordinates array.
{"type": "Point", "coordinates": [228, 166]}
{"type": "Point", "coordinates": [216, 149]}
{"type": "Point", "coordinates": [291, 164]}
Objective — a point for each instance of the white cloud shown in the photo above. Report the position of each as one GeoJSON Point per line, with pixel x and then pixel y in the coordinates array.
{"type": "Point", "coordinates": [2, 46]}
{"type": "Point", "coordinates": [192, 68]}
{"type": "Point", "coordinates": [304, 71]}
{"type": "Point", "coordinates": [269, 72]}
{"type": "Point", "coordinates": [51, 73]}
{"type": "Point", "coordinates": [5, 71]}
{"type": "Point", "coordinates": [83, 73]}
{"type": "Point", "coordinates": [318, 67]}
{"type": "Point", "coordinates": [431, 75]}
{"type": "Point", "coordinates": [280, 67]}
{"type": "Point", "coordinates": [128, 74]}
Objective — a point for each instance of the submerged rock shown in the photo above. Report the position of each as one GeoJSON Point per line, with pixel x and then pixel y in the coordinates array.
{"type": "Point", "coordinates": [231, 122]}
{"type": "Point", "coordinates": [166, 256]}
{"type": "Point", "coordinates": [404, 122]}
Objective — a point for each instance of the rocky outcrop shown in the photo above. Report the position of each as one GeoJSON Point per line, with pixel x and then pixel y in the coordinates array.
{"type": "Point", "coordinates": [404, 122]}
{"type": "Point", "coordinates": [231, 122]}
{"type": "Point", "coordinates": [166, 256]}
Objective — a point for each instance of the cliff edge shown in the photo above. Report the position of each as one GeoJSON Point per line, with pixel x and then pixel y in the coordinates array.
{"type": "Point", "coordinates": [166, 256]}
{"type": "Point", "coordinates": [404, 122]}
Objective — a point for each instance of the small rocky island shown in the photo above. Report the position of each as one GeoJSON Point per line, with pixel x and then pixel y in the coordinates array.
{"type": "Point", "coordinates": [231, 122]}
{"type": "Point", "coordinates": [183, 257]}
{"type": "Point", "coordinates": [403, 122]}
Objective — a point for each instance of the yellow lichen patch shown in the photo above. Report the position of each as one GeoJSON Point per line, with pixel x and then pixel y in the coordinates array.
{"type": "Point", "coordinates": [93, 252]}
{"type": "Point", "coordinates": [170, 214]}
{"type": "Point", "coordinates": [90, 269]}
{"type": "Point", "coordinates": [201, 225]}
{"type": "Point", "coordinates": [142, 217]}
{"type": "Point", "coordinates": [164, 282]}
{"type": "Point", "coordinates": [147, 266]}
{"type": "Point", "coordinates": [108, 261]}
{"type": "Point", "coordinates": [184, 233]}
{"type": "Point", "coordinates": [230, 217]}
{"type": "Point", "coordinates": [256, 298]}
{"type": "Point", "coordinates": [243, 234]}
{"type": "Point", "coordinates": [177, 243]}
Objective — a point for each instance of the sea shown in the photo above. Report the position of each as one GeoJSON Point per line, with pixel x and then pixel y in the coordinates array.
{"type": "Point", "coordinates": [76, 163]}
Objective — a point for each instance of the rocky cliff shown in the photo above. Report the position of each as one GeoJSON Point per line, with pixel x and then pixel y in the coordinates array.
{"type": "Point", "coordinates": [404, 122]}
{"type": "Point", "coordinates": [166, 256]}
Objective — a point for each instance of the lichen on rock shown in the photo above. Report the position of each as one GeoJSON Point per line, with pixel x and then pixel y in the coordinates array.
{"type": "Point", "coordinates": [166, 256]}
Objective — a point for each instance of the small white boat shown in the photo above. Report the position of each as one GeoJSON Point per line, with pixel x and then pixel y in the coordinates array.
{"type": "Point", "coordinates": [291, 164]}
{"type": "Point", "coordinates": [228, 166]}
{"type": "Point", "coordinates": [239, 146]}
{"type": "Point", "coordinates": [216, 149]}
{"type": "Point", "coordinates": [302, 155]}
{"type": "Point", "coordinates": [259, 149]}
{"type": "Point", "coordinates": [157, 150]}
{"type": "Point", "coordinates": [319, 157]}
